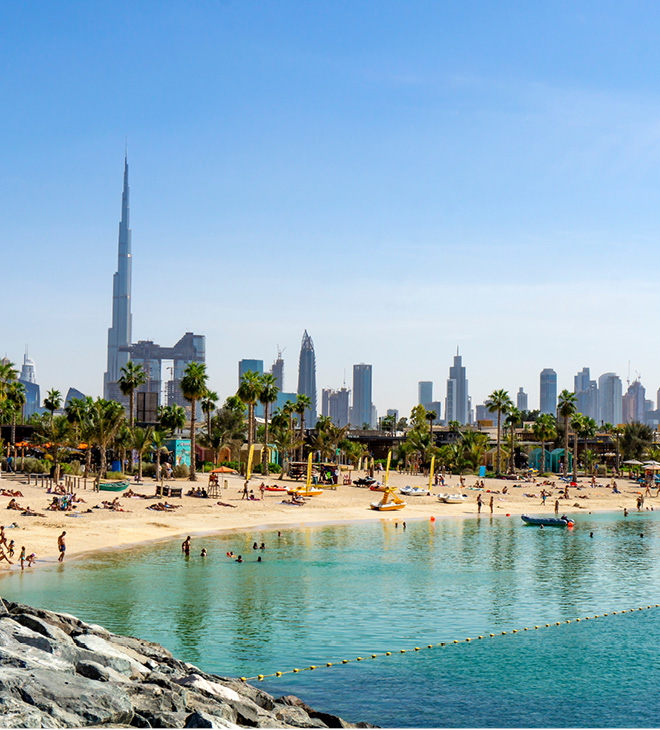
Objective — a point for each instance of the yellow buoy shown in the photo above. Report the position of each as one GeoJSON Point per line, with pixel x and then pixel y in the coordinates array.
{"type": "Point", "coordinates": [468, 639]}
{"type": "Point", "coordinates": [455, 641]}
{"type": "Point", "coordinates": [491, 634]}
{"type": "Point", "coordinates": [536, 627]}
{"type": "Point", "coordinates": [328, 664]}
{"type": "Point", "coordinates": [313, 666]}
{"type": "Point", "coordinates": [243, 679]}
{"type": "Point", "coordinates": [430, 646]}
{"type": "Point", "coordinates": [359, 658]}
{"type": "Point", "coordinates": [260, 677]}
{"type": "Point", "coordinates": [373, 656]}
{"type": "Point", "coordinates": [515, 631]}
{"type": "Point", "coordinates": [344, 661]}
{"type": "Point", "coordinates": [547, 625]}
{"type": "Point", "coordinates": [295, 671]}
{"type": "Point", "coordinates": [480, 637]}
{"type": "Point", "coordinates": [442, 643]}
{"type": "Point", "coordinates": [388, 653]}
{"type": "Point", "coordinates": [278, 674]}
{"type": "Point", "coordinates": [504, 632]}
{"type": "Point", "coordinates": [403, 651]}
{"type": "Point", "coordinates": [416, 648]}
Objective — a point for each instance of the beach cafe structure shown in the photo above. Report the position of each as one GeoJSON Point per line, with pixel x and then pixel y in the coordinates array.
{"type": "Point", "coordinates": [553, 460]}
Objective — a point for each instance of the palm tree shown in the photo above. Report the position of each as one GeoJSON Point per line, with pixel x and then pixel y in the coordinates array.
{"type": "Point", "coordinates": [52, 401]}
{"type": "Point", "coordinates": [303, 402]}
{"type": "Point", "coordinates": [473, 447]}
{"type": "Point", "coordinates": [16, 399]}
{"type": "Point", "coordinates": [511, 421]}
{"type": "Point", "coordinates": [499, 402]}
{"type": "Point", "coordinates": [106, 417]}
{"type": "Point", "coordinates": [587, 431]}
{"type": "Point", "coordinates": [286, 441]}
{"type": "Point", "coordinates": [55, 432]}
{"type": "Point", "coordinates": [577, 424]}
{"type": "Point", "coordinates": [544, 430]}
{"type": "Point", "coordinates": [248, 391]}
{"type": "Point", "coordinates": [158, 439]}
{"type": "Point", "coordinates": [193, 387]}
{"type": "Point", "coordinates": [123, 442]}
{"type": "Point", "coordinates": [267, 395]}
{"type": "Point", "coordinates": [132, 377]}
{"type": "Point", "coordinates": [208, 404]}
{"type": "Point", "coordinates": [172, 418]}
{"type": "Point", "coordinates": [430, 417]}
{"type": "Point", "coordinates": [77, 413]}
{"type": "Point", "coordinates": [566, 408]}
{"type": "Point", "coordinates": [8, 374]}
{"type": "Point", "coordinates": [142, 438]}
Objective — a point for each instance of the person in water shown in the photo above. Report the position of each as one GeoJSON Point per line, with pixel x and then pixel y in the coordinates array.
{"type": "Point", "coordinates": [185, 546]}
{"type": "Point", "coordinates": [203, 553]}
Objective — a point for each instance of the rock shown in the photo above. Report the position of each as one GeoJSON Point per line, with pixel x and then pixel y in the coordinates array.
{"type": "Point", "coordinates": [110, 655]}
{"type": "Point", "coordinates": [297, 717]}
{"type": "Point", "coordinates": [201, 719]}
{"type": "Point", "coordinates": [213, 688]}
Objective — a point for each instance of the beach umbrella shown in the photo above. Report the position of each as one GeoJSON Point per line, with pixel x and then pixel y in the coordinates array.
{"type": "Point", "coordinates": [633, 462]}
{"type": "Point", "coordinates": [652, 466]}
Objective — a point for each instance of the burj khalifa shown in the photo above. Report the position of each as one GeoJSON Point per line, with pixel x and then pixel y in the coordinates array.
{"type": "Point", "coordinates": [119, 334]}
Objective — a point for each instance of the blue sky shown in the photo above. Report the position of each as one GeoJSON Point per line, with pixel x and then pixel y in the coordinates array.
{"type": "Point", "coordinates": [398, 178]}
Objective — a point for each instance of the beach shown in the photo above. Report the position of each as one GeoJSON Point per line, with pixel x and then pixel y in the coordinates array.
{"type": "Point", "coordinates": [105, 529]}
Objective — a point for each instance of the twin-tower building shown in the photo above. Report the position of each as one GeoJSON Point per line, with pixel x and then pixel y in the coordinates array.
{"type": "Point", "coordinates": [153, 358]}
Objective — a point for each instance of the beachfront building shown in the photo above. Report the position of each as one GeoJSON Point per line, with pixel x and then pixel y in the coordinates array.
{"type": "Point", "coordinates": [610, 399]}
{"type": "Point", "coordinates": [362, 411]}
{"type": "Point", "coordinates": [633, 403]}
{"type": "Point", "coordinates": [522, 400]}
{"type": "Point", "coordinates": [335, 405]}
{"type": "Point", "coordinates": [307, 377]}
{"type": "Point", "coordinates": [254, 366]}
{"type": "Point", "coordinates": [586, 392]}
{"type": "Point", "coordinates": [456, 402]}
{"type": "Point", "coordinates": [548, 394]}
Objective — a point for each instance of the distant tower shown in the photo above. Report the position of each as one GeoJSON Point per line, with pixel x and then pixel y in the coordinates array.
{"type": "Point", "coordinates": [548, 391]}
{"type": "Point", "coordinates": [307, 377]}
{"type": "Point", "coordinates": [456, 402]}
{"type": "Point", "coordinates": [361, 412]}
{"type": "Point", "coordinates": [277, 370]}
{"type": "Point", "coordinates": [610, 392]}
{"type": "Point", "coordinates": [119, 334]}
{"type": "Point", "coordinates": [521, 400]}
{"type": "Point", "coordinates": [424, 392]}
{"type": "Point", "coordinates": [28, 371]}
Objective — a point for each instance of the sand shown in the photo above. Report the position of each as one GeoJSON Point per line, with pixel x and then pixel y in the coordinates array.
{"type": "Point", "coordinates": [102, 529]}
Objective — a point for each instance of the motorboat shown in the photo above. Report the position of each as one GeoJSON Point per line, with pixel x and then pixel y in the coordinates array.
{"type": "Point", "coordinates": [415, 491]}
{"type": "Point", "coordinates": [456, 498]}
{"type": "Point", "coordinates": [562, 521]}
{"type": "Point", "coordinates": [364, 482]}
{"type": "Point", "coordinates": [389, 502]}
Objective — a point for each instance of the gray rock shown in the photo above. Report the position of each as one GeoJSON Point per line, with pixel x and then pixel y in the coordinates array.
{"type": "Point", "coordinates": [110, 656]}
{"type": "Point", "coordinates": [297, 717]}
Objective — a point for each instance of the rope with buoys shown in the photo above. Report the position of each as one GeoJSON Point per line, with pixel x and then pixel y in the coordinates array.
{"type": "Point", "coordinates": [468, 640]}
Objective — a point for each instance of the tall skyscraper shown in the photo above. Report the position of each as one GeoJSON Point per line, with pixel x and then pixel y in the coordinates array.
{"type": "Point", "coordinates": [119, 334]}
{"type": "Point", "coordinates": [424, 392]}
{"type": "Point", "coordinates": [586, 392]}
{"type": "Point", "coordinates": [277, 369]}
{"type": "Point", "coordinates": [255, 366]}
{"type": "Point", "coordinates": [361, 412]}
{"type": "Point", "coordinates": [610, 392]}
{"type": "Point", "coordinates": [456, 402]}
{"type": "Point", "coordinates": [548, 399]}
{"type": "Point", "coordinates": [522, 401]}
{"type": "Point", "coordinates": [28, 379]}
{"type": "Point", "coordinates": [633, 403]}
{"type": "Point", "coordinates": [307, 377]}
{"type": "Point", "coordinates": [335, 405]}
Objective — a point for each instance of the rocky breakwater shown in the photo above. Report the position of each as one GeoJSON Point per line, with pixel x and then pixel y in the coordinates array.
{"type": "Point", "coordinates": [58, 671]}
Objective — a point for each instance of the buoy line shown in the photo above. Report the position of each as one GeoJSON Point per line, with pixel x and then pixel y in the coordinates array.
{"type": "Point", "coordinates": [468, 640]}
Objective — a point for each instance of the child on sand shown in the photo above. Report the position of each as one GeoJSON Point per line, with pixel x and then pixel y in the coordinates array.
{"type": "Point", "coordinates": [31, 559]}
{"type": "Point", "coordinates": [22, 557]}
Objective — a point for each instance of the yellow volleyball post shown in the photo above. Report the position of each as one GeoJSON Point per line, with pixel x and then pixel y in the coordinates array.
{"type": "Point", "coordinates": [309, 471]}
{"type": "Point", "coordinates": [387, 468]}
{"type": "Point", "coordinates": [248, 471]}
{"type": "Point", "coordinates": [431, 472]}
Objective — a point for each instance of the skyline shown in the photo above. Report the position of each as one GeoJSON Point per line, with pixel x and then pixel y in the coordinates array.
{"type": "Point", "coordinates": [414, 178]}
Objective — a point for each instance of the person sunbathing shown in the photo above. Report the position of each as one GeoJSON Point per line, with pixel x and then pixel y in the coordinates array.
{"type": "Point", "coordinates": [78, 499]}
{"type": "Point", "coordinates": [27, 512]}
{"type": "Point", "coordinates": [226, 504]}
{"type": "Point", "coordinates": [11, 493]}
{"type": "Point", "coordinates": [13, 504]}
{"type": "Point", "coordinates": [163, 507]}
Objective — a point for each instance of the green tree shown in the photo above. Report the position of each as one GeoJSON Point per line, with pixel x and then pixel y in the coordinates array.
{"type": "Point", "coordinates": [267, 396]}
{"type": "Point", "coordinates": [248, 391]}
{"type": "Point", "coordinates": [172, 419]}
{"type": "Point", "coordinates": [123, 443]}
{"type": "Point", "coordinates": [77, 413]}
{"type": "Point", "coordinates": [511, 421]}
{"type": "Point", "coordinates": [208, 403]}
{"type": "Point", "coordinates": [544, 429]}
{"type": "Point", "coordinates": [303, 402]}
{"type": "Point", "coordinates": [55, 432]}
{"type": "Point", "coordinates": [473, 445]}
{"type": "Point", "coordinates": [132, 377]}
{"type": "Point", "coordinates": [587, 431]}
{"type": "Point", "coordinates": [635, 440]}
{"type": "Point", "coordinates": [52, 401]}
{"type": "Point", "coordinates": [566, 407]}
{"type": "Point", "coordinates": [193, 387]}
{"type": "Point", "coordinates": [499, 402]}
{"type": "Point", "coordinates": [142, 439]}
{"type": "Point", "coordinates": [158, 439]}
{"type": "Point", "coordinates": [16, 401]}
{"type": "Point", "coordinates": [430, 417]}
{"type": "Point", "coordinates": [577, 424]}
{"type": "Point", "coordinates": [106, 417]}
{"type": "Point", "coordinates": [8, 374]}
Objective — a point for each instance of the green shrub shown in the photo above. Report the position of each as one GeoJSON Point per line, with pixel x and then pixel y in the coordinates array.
{"type": "Point", "coordinates": [148, 470]}
{"type": "Point", "coordinates": [115, 476]}
{"type": "Point", "coordinates": [180, 471]}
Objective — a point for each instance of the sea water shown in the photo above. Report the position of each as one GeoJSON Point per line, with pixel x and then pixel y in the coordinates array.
{"type": "Point", "coordinates": [327, 593]}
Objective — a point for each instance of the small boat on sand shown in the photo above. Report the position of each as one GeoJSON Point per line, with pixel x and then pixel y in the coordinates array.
{"type": "Point", "coordinates": [562, 521]}
{"type": "Point", "coordinates": [452, 498]}
{"type": "Point", "coordinates": [275, 488]}
{"type": "Point", "coordinates": [415, 491]}
{"type": "Point", "coordinates": [389, 502]}
{"type": "Point", "coordinates": [113, 486]}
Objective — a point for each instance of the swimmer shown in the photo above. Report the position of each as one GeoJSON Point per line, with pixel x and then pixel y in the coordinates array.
{"type": "Point", "coordinates": [203, 553]}
{"type": "Point", "coordinates": [259, 559]}
{"type": "Point", "coordinates": [255, 546]}
{"type": "Point", "coordinates": [262, 546]}
{"type": "Point", "coordinates": [239, 559]}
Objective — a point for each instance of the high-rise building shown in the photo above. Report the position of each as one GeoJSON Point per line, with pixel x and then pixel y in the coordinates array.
{"type": "Point", "coordinates": [393, 412]}
{"type": "Point", "coordinates": [457, 400]}
{"type": "Point", "coordinates": [586, 392]}
{"type": "Point", "coordinates": [307, 377]}
{"type": "Point", "coordinates": [277, 370]}
{"type": "Point", "coordinates": [361, 412]}
{"type": "Point", "coordinates": [548, 395]}
{"type": "Point", "coordinates": [610, 401]}
{"type": "Point", "coordinates": [633, 403]}
{"type": "Point", "coordinates": [522, 400]}
{"type": "Point", "coordinates": [424, 392]}
{"type": "Point", "coordinates": [335, 405]}
{"type": "Point", "coordinates": [28, 379]}
{"type": "Point", "coordinates": [436, 407]}
{"type": "Point", "coordinates": [119, 334]}
{"type": "Point", "coordinates": [657, 400]}
{"type": "Point", "coordinates": [255, 366]}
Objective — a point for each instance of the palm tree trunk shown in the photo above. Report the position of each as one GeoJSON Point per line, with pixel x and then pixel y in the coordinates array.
{"type": "Point", "coordinates": [542, 457]}
{"type": "Point", "coordinates": [566, 446]}
{"type": "Point", "coordinates": [302, 436]}
{"type": "Point", "coordinates": [88, 460]}
{"type": "Point", "coordinates": [193, 475]}
{"type": "Point", "coordinates": [139, 466]}
{"type": "Point", "coordinates": [131, 423]}
{"type": "Point", "coordinates": [575, 454]}
{"type": "Point", "coordinates": [264, 455]}
{"type": "Point", "coordinates": [499, 418]}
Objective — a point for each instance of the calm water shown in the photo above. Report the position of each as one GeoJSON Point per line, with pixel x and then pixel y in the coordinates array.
{"type": "Point", "coordinates": [329, 593]}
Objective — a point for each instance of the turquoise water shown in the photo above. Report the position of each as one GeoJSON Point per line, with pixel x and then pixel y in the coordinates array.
{"type": "Point", "coordinates": [337, 592]}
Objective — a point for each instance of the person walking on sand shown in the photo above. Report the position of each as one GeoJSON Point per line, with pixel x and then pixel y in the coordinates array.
{"type": "Point", "coordinates": [478, 504]}
{"type": "Point", "coordinates": [22, 557]}
{"type": "Point", "coordinates": [491, 503]}
{"type": "Point", "coordinates": [556, 506]}
{"type": "Point", "coordinates": [61, 546]}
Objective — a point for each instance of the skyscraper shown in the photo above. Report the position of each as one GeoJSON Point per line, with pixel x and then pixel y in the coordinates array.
{"type": "Point", "coordinates": [522, 400]}
{"type": "Point", "coordinates": [586, 391]}
{"type": "Point", "coordinates": [610, 391]}
{"type": "Point", "coordinates": [361, 412]}
{"type": "Point", "coordinates": [335, 405]}
{"type": "Point", "coordinates": [28, 379]}
{"type": "Point", "coordinates": [307, 377]}
{"type": "Point", "coordinates": [633, 403]}
{"type": "Point", "coordinates": [119, 334]}
{"type": "Point", "coordinates": [277, 370]}
{"type": "Point", "coordinates": [424, 392]}
{"type": "Point", "coordinates": [255, 366]}
{"type": "Point", "coordinates": [456, 402]}
{"type": "Point", "coordinates": [548, 395]}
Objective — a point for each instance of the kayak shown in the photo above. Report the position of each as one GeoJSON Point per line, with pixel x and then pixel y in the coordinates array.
{"type": "Point", "coordinates": [548, 521]}
{"type": "Point", "coordinates": [113, 486]}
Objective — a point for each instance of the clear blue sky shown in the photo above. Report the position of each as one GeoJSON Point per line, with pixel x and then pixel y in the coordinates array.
{"type": "Point", "coordinates": [399, 178]}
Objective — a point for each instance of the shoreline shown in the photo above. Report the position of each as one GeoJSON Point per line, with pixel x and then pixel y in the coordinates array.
{"type": "Point", "coordinates": [103, 530]}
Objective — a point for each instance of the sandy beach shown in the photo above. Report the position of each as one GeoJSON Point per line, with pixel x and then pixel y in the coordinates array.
{"type": "Point", "coordinates": [103, 529]}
